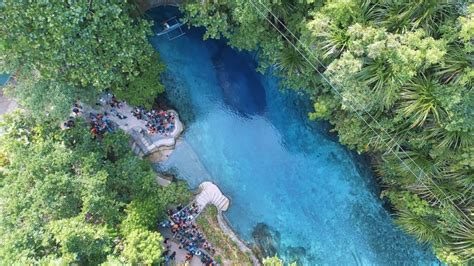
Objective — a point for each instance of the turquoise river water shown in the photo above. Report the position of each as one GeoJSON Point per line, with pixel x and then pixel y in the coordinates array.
{"type": "Point", "coordinates": [287, 177]}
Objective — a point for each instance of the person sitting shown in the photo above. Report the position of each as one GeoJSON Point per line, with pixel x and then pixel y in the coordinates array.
{"type": "Point", "coordinates": [94, 132]}
{"type": "Point", "coordinates": [68, 124]}
{"type": "Point", "coordinates": [76, 111]}
{"type": "Point", "coordinates": [189, 256]}
{"type": "Point", "coordinates": [121, 116]}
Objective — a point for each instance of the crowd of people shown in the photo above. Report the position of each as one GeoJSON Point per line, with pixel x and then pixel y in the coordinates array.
{"type": "Point", "coordinates": [99, 124]}
{"type": "Point", "coordinates": [161, 122]}
{"type": "Point", "coordinates": [111, 100]}
{"type": "Point", "coordinates": [185, 231]}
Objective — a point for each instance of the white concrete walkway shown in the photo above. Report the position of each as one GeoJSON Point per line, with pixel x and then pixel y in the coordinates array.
{"type": "Point", "coordinates": [211, 194]}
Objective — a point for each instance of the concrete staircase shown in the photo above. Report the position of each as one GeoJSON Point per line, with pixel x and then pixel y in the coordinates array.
{"type": "Point", "coordinates": [211, 194]}
{"type": "Point", "coordinates": [141, 145]}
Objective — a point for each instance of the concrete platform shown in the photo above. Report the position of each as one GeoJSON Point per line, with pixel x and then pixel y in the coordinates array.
{"type": "Point", "coordinates": [143, 144]}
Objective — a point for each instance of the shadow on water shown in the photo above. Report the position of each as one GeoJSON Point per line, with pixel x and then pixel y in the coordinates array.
{"type": "Point", "coordinates": [241, 89]}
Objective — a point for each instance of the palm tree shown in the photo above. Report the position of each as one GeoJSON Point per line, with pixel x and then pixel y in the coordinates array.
{"type": "Point", "coordinates": [383, 80]}
{"type": "Point", "coordinates": [410, 166]}
{"type": "Point", "coordinates": [290, 62]}
{"type": "Point", "coordinates": [457, 64]}
{"type": "Point", "coordinates": [461, 176]}
{"type": "Point", "coordinates": [462, 240]}
{"type": "Point", "coordinates": [283, 10]}
{"type": "Point", "coordinates": [333, 43]}
{"type": "Point", "coordinates": [398, 16]}
{"type": "Point", "coordinates": [442, 192]}
{"type": "Point", "coordinates": [425, 228]}
{"type": "Point", "coordinates": [419, 102]}
{"type": "Point", "coordinates": [444, 139]}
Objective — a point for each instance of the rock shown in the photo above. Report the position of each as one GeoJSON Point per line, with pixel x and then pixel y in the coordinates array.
{"type": "Point", "coordinates": [266, 240]}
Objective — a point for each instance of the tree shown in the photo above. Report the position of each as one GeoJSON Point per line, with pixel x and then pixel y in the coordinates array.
{"type": "Point", "coordinates": [81, 242]}
{"type": "Point", "coordinates": [65, 196]}
{"type": "Point", "coordinates": [74, 49]}
{"type": "Point", "coordinates": [143, 246]}
{"type": "Point", "coordinates": [275, 261]}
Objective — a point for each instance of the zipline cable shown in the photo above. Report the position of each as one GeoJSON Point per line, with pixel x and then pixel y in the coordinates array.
{"type": "Point", "coordinates": [355, 110]}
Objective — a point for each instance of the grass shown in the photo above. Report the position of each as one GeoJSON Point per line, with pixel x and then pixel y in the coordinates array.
{"type": "Point", "coordinates": [226, 250]}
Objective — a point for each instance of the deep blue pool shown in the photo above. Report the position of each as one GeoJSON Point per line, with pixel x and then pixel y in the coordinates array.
{"type": "Point", "coordinates": [284, 174]}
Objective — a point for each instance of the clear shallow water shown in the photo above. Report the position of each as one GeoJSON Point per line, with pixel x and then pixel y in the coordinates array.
{"type": "Point", "coordinates": [278, 168]}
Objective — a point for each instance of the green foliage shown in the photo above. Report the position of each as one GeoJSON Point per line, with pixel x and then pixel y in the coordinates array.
{"type": "Point", "coordinates": [65, 196]}
{"type": "Point", "coordinates": [226, 249]}
{"type": "Point", "coordinates": [142, 90]}
{"type": "Point", "coordinates": [64, 50]}
{"type": "Point", "coordinates": [143, 213]}
{"type": "Point", "coordinates": [400, 67]}
{"type": "Point", "coordinates": [272, 261]}
{"type": "Point", "coordinates": [81, 242]}
{"type": "Point", "coordinates": [275, 261]}
{"type": "Point", "coordinates": [144, 247]}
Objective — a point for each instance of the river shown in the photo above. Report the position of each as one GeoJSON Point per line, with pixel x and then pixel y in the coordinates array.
{"type": "Point", "coordinates": [287, 177]}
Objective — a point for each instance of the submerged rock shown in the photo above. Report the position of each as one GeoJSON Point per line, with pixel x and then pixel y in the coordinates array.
{"type": "Point", "coordinates": [266, 240]}
{"type": "Point", "coordinates": [295, 254]}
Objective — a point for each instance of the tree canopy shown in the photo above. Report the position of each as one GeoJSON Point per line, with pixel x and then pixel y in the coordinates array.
{"type": "Point", "coordinates": [59, 51]}
{"type": "Point", "coordinates": [67, 198]}
{"type": "Point", "coordinates": [395, 79]}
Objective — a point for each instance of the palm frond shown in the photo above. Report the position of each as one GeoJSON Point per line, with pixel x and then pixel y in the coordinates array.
{"type": "Point", "coordinates": [383, 81]}
{"type": "Point", "coordinates": [462, 240]}
{"type": "Point", "coordinates": [419, 102]}
{"type": "Point", "coordinates": [424, 228]}
{"type": "Point", "coordinates": [456, 65]}
{"type": "Point", "coordinates": [449, 139]}
{"type": "Point", "coordinates": [399, 16]}
{"type": "Point", "coordinates": [290, 62]}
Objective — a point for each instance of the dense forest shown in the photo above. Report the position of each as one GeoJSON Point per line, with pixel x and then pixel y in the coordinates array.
{"type": "Point", "coordinates": [68, 198]}
{"type": "Point", "coordinates": [61, 51]}
{"type": "Point", "coordinates": [395, 80]}
{"type": "Point", "coordinates": [65, 197]}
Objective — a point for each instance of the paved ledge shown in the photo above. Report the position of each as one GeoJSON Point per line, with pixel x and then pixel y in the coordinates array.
{"type": "Point", "coordinates": [143, 144]}
{"type": "Point", "coordinates": [209, 193]}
